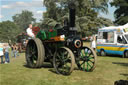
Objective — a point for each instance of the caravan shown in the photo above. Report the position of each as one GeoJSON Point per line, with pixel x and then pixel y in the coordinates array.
{"type": "Point", "coordinates": [113, 40]}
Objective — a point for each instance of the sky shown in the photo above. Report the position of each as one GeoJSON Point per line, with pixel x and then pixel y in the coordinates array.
{"type": "Point", "coordinates": [9, 8]}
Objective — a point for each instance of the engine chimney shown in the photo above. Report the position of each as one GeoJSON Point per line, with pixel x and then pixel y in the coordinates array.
{"type": "Point", "coordinates": [72, 17]}
{"type": "Point", "coordinates": [72, 27]}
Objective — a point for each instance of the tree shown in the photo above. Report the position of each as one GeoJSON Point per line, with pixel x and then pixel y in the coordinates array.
{"type": "Point", "coordinates": [121, 13]}
{"type": "Point", "coordinates": [8, 31]}
{"type": "Point", "coordinates": [86, 14]}
{"type": "Point", "coordinates": [23, 19]}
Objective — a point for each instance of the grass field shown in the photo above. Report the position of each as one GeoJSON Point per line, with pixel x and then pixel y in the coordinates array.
{"type": "Point", "coordinates": [108, 70]}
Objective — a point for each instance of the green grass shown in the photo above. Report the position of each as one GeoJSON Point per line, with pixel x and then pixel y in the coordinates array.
{"type": "Point", "coordinates": [108, 70]}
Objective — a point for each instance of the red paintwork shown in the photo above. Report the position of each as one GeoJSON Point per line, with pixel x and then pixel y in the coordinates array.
{"type": "Point", "coordinates": [35, 30]}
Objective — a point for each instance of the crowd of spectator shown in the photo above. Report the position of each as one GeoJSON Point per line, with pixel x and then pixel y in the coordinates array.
{"type": "Point", "coordinates": [4, 52]}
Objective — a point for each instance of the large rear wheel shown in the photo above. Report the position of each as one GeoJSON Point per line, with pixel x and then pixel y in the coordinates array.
{"type": "Point", "coordinates": [87, 61]}
{"type": "Point", "coordinates": [64, 61]}
{"type": "Point", "coordinates": [35, 53]}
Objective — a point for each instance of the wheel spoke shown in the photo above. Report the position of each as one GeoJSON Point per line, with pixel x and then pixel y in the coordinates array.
{"type": "Point", "coordinates": [91, 62]}
{"type": "Point", "coordinates": [90, 58]}
{"type": "Point", "coordinates": [87, 67]}
{"type": "Point", "coordinates": [60, 58]}
{"type": "Point", "coordinates": [83, 66]}
{"type": "Point", "coordinates": [82, 63]}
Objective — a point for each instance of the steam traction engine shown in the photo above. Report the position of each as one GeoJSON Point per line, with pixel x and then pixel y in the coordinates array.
{"type": "Point", "coordinates": [62, 47]}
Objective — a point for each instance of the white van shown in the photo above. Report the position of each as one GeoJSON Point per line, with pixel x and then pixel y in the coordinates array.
{"type": "Point", "coordinates": [113, 40]}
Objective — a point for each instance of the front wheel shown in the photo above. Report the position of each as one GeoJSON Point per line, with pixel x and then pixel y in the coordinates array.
{"type": "Point", "coordinates": [87, 59]}
{"type": "Point", "coordinates": [125, 54]}
{"type": "Point", "coordinates": [64, 61]}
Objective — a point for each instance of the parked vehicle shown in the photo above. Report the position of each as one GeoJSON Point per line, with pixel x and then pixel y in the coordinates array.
{"type": "Point", "coordinates": [113, 40]}
{"type": "Point", "coordinates": [62, 47]}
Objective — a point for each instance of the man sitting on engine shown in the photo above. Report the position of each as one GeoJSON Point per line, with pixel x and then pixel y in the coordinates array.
{"type": "Point", "coordinates": [29, 31]}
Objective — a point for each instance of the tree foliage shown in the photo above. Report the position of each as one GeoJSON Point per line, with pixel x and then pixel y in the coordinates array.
{"type": "Point", "coordinates": [8, 31]}
{"type": "Point", "coordinates": [121, 13]}
{"type": "Point", "coordinates": [86, 14]}
{"type": "Point", "coordinates": [23, 19]}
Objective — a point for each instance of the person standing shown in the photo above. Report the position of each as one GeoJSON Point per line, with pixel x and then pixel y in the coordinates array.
{"type": "Point", "coordinates": [93, 43]}
{"type": "Point", "coordinates": [6, 49]}
{"type": "Point", "coordinates": [1, 54]}
{"type": "Point", "coordinates": [12, 50]}
{"type": "Point", "coordinates": [17, 50]}
{"type": "Point", "coordinates": [29, 31]}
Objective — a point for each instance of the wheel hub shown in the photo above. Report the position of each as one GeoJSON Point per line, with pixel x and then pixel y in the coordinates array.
{"type": "Point", "coordinates": [85, 58]}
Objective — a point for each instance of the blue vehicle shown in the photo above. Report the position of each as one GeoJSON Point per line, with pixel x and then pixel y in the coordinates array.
{"type": "Point", "coordinates": [113, 40]}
